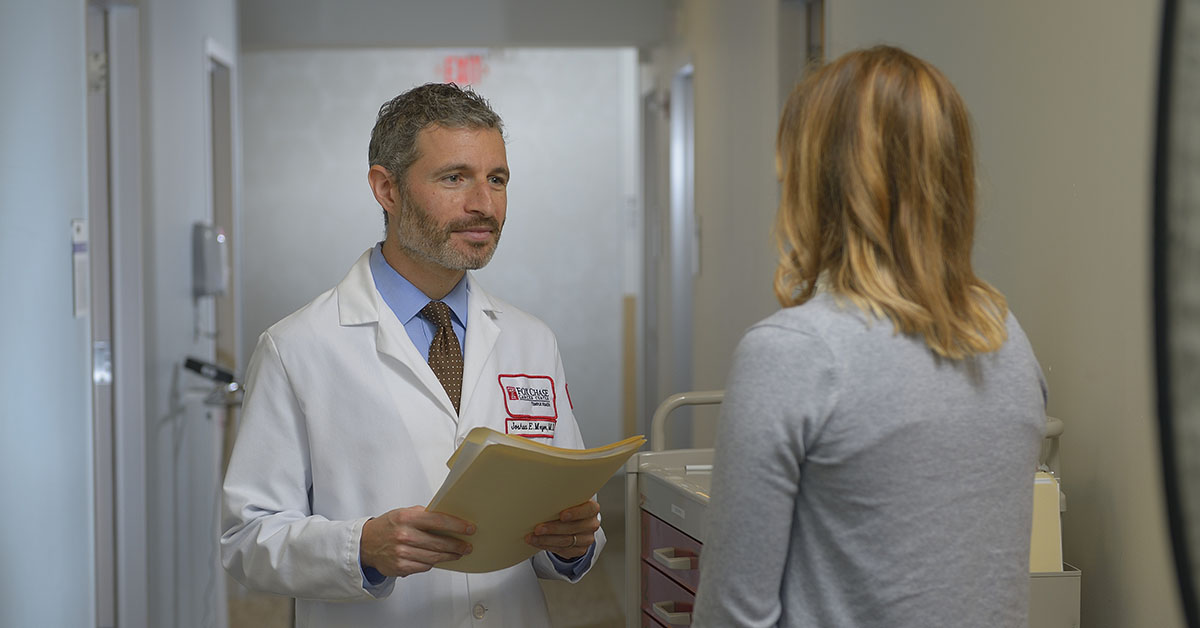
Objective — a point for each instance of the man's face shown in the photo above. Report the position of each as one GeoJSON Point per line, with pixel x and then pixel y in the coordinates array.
{"type": "Point", "coordinates": [454, 198]}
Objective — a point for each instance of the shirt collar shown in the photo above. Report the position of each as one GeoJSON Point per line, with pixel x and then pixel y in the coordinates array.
{"type": "Point", "coordinates": [405, 299]}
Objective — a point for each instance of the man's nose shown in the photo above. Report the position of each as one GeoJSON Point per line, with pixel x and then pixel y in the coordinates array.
{"type": "Point", "coordinates": [481, 199]}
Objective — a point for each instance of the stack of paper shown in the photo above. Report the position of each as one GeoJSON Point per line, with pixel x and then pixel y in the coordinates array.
{"type": "Point", "coordinates": [1045, 547]}
{"type": "Point", "coordinates": [506, 485]}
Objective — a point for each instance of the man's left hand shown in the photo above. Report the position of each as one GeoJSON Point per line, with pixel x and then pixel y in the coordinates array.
{"type": "Point", "coordinates": [571, 534]}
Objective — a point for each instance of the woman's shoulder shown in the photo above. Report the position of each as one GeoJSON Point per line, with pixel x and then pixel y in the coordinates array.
{"type": "Point", "coordinates": [824, 315]}
{"type": "Point", "coordinates": [815, 328]}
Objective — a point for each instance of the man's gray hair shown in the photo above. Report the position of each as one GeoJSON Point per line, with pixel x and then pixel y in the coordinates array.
{"type": "Point", "coordinates": [401, 119]}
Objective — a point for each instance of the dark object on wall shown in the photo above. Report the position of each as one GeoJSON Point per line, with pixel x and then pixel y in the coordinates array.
{"type": "Point", "coordinates": [1176, 281]}
{"type": "Point", "coordinates": [209, 370]}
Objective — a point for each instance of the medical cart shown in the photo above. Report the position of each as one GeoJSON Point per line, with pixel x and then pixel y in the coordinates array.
{"type": "Point", "coordinates": [666, 494]}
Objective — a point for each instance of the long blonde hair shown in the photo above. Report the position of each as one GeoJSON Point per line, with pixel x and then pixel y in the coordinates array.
{"type": "Point", "coordinates": [878, 200]}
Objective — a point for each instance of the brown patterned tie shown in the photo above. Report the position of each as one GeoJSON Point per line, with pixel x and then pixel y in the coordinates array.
{"type": "Point", "coordinates": [445, 354]}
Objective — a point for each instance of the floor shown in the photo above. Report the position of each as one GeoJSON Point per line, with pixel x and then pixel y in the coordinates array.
{"type": "Point", "coordinates": [593, 602]}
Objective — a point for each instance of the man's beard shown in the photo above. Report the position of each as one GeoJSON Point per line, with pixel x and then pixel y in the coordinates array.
{"type": "Point", "coordinates": [419, 235]}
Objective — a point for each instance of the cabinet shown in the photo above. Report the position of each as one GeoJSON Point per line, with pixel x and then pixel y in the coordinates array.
{"type": "Point", "coordinates": [666, 494]}
{"type": "Point", "coordinates": [664, 536]}
{"type": "Point", "coordinates": [670, 569]}
{"type": "Point", "coordinates": [665, 506]}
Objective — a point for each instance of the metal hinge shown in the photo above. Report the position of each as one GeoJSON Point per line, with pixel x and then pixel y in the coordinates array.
{"type": "Point", "coordinates": [97, 71]}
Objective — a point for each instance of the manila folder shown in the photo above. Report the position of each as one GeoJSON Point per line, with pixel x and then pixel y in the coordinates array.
{"type": "Point", "coordinates": [506, 485]}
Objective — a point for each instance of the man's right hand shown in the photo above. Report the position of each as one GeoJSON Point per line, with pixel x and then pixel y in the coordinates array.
{"type": "Point", "coordinates": [405, 541]}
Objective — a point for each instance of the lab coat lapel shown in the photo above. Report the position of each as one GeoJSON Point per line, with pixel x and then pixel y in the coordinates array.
{"type": "Point", "coordinates": [482, 332]}
{"type": "Point", "coordinates": [392, 340]}
{"type": "Point", "coordinates": [359, 303]}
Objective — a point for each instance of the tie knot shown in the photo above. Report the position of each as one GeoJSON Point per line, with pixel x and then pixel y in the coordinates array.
{"type": "Point", "coordinates": [437, 313]}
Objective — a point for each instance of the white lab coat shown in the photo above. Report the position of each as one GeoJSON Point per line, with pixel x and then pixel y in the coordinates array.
{"type": "Point", "coordinates": [343, 420]}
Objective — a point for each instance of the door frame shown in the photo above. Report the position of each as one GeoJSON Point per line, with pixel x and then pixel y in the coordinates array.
{"type": "Point", "coordinates": [118, 314]}
{"type": "Point", "coordinates": [222, 173]}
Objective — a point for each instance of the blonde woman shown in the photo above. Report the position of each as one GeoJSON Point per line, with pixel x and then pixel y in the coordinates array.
{"type": "Point", "coordinates": [875, 454]}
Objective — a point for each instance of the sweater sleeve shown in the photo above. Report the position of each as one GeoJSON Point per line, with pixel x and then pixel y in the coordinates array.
{"type": "Point", "coordinates": [778, 395]}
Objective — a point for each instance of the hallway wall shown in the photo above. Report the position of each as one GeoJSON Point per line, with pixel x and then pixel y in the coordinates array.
{"type": "Point", "coordinates": [1062, 99]}
{"type": "Point", "coordinates": [293, 24]}
{"type": "Point", "coordinates": [734, 49]}
{"type": "Point", "coordinates": [183, 435]}
{"type": "Point", "coordinates": [310, 213]}
{"type": "Point", "coordinates": [45, 398]}
{"type": "Point", "coordinates": [1062, 96]}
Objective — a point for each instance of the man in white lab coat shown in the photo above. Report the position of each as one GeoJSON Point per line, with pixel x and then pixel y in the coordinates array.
{"type": "Point", "coordinates": [355, 402]}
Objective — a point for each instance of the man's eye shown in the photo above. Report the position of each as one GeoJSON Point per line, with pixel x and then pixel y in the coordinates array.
{"type": "Point", "coordinates": [453, 178]}
{"type": "Point", "coordinates": [498, 181]}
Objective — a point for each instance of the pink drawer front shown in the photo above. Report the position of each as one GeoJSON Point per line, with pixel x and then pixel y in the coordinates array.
{"type": "Point", "coordinates": [671, 551]}
{"type": "Point", "coordinates": [673, 602]}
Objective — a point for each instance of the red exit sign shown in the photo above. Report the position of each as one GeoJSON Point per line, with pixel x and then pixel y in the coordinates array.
{"type": "Point", "coordinates": [463, 69]}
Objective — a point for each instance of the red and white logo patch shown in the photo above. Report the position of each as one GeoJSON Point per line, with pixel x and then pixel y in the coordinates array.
{"type": "Point", "coordinates": [529, 396]}
{"type": "Point", "coordinates": [531, 405]}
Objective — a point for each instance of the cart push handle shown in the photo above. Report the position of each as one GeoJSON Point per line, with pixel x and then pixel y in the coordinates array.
{"type": "Point", "coordinates": [658, 424]}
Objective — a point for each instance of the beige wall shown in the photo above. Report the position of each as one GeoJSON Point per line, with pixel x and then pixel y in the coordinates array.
{"type": "Point", "coordinates": [734, 50]}
{"type": "Point", "coordinates": [1062, 99]}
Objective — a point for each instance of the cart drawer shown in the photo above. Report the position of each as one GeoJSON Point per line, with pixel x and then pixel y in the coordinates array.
{"type": "Point", "coordinates": [671, 551]}
{"type": "Point", "coordinates": [673, 601]}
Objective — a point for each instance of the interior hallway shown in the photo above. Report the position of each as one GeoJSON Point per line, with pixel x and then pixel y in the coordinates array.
{"type": "Point", "coordinates": [1063, 103]}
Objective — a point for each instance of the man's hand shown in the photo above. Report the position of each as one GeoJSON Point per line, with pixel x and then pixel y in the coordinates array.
{"type": "Point", "coordinates": [405, 541]}
{"type": "Point", "coordinates": [571, 534]}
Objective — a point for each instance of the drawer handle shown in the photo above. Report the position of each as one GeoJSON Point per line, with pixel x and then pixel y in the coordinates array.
{"type": "Point", "coordinates": [666, 612]}
{"type": "Point", "coordinates": [666, 557]}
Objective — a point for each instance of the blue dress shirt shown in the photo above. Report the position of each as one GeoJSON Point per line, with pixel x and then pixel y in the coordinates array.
{"type": "Point", "coordinates": [406, 301]}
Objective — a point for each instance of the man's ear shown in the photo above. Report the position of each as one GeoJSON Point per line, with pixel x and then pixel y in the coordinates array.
{"type": "Point", "coordinates": [385, 189]}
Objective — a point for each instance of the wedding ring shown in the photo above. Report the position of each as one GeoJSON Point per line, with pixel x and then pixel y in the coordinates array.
{"type": "Point", "coordinates": [572, 540]}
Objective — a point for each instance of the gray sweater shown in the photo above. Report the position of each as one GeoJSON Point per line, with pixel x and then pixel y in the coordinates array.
{"type": "Point", "coordinates": [860, 480]}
